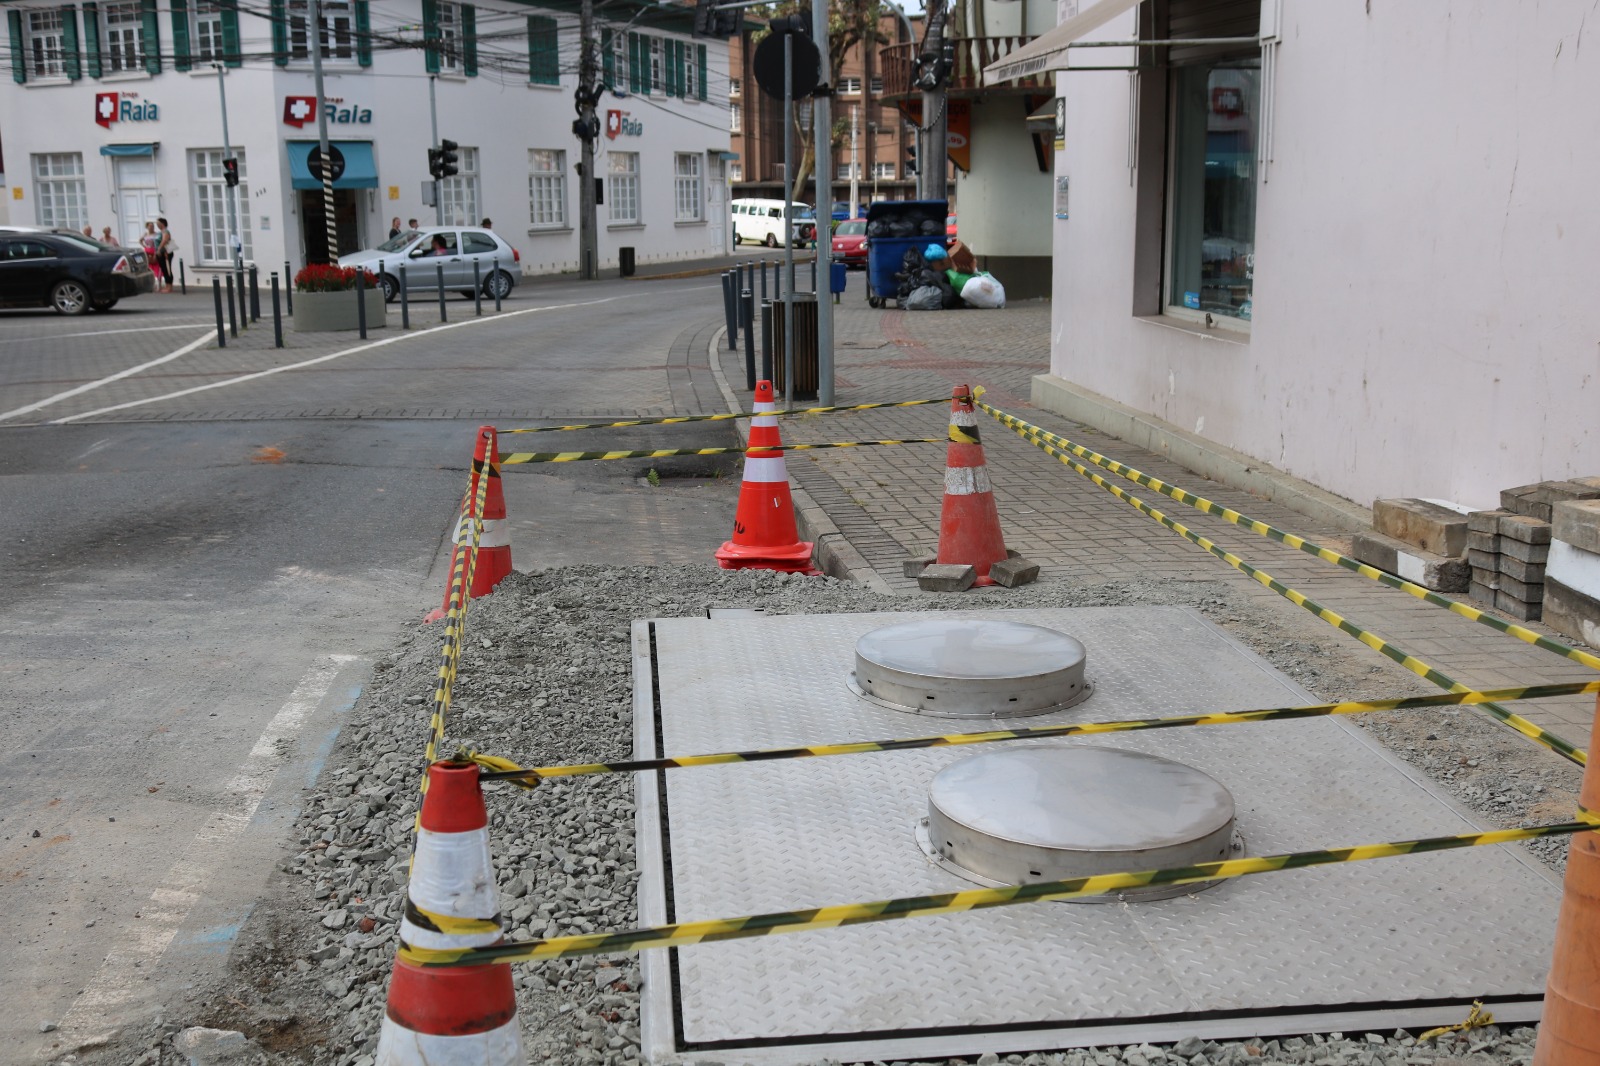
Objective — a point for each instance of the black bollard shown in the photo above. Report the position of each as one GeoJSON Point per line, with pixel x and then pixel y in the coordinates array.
{"type": "Point", "coordinates": [405, 300]}
{"type": "Point", "coordinates": [361, 302]}
{"type": "Point", "coordinates": [730, 310]}
{"type": "Point", "coordinates": [288, 288]}
{"type": "Point", "coordinates": [477, 290]}
{"type": "Point", "coordinates": [183, 279]}
{"type": "Point", "coordinates": [277, 314]}
{"type": "Point", "coordinates": [763, 280]}
{"type": "Point", "coordinates": [814, 259]}
{"type": "Point", "coordinates": [216, 294]}
{"type": "Point", "coordinates": [494, 283]}
{"type": "Point", "coordinates": [244, 308]}
{"type": "Point", "coordinates": [255, 293]}
{"type": "Point", "coordinates": [233, 319]}
{"type": "Point", "coordinates": [444, 316]}
{"type": "Point", "coordinates": [747, 303]}
{"type": "Point", "coordinates": [766, 340]}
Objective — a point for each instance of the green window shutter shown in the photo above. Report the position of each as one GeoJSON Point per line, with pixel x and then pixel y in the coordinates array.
{"type": "Point", "coordinates": [635, 62]}
{"type": "Point", "coordinates": [678, 49]}
{"type": "Point", "coordinates": [363, 33]}
{"type": "Point", "coordinates": [152, 37]}
{"type": "Point", "coordinates": [544, 63]}
{"type": "Point", "coordinates": [91, 39]}
{"type": "Point", "coordinates": [280, 33]}
{"type": "Point", "coordinates": [469, 39]}
{"type": "Point", "coordinates": [700, 69]}
{"type": "Point", "coordinates": [608, 61]}
{"type": "Point", "coordinates": [69, 43]}
{"type": "Point", "coordinates": [19, 58]}
{"type": "Point", "coordinates": [231, 55]}
{"type": "Point", "coordinates": [180, 35]}
{"type": "Point", "coordinates": [430, 35]}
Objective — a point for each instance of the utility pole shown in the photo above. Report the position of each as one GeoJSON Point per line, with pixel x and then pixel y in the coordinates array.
{"type": "Point", "coordinates": [314, 31]}
{"type": "Point", "coordinates": [234, 232]}
{"type": "Point", "coordinates": [855, 164]}
{"type": "Point", "coordinates": [933, 75]}
{"type": "Point", "coordinates": [433, 114]}
{"type": "Point", "coordinates": [822, 138]}
{"type": "Point", "coordinates": [587, 129]}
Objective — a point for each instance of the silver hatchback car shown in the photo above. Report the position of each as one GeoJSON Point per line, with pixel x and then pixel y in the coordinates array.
{"type": "Point", "coordinates": [447, 251]}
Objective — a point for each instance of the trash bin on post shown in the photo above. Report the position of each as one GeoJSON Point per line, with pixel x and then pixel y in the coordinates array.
{"type": "Point", "coordinates": [836, 279]}
{"type": "Point", "coordinates": [625, 261]}
{"type": "Point", "coordinates": [805, 346]}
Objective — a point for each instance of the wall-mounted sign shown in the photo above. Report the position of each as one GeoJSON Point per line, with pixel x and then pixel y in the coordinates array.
{"type": "Point", "coordinates": [620, 124]}
{"type": "Point", "coordinates": [301, 111]}
{"type": "Point", "coordinates": [123, 107]}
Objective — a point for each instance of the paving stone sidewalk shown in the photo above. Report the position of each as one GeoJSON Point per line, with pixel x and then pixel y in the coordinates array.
{"type": "Point", "coordinates": [886, 500]}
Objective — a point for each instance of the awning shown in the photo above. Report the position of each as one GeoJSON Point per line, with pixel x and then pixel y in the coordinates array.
{"type": "Point", "coordinates": [1037, 55]}
{"type": "Point", "coordinates": [360, 172]}
{"type": "Point", "coordinates": [129, 149]}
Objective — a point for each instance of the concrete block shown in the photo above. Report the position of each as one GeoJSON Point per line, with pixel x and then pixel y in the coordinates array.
{"type": "Point", "coordinates": [1578, 523]}
{"type": "Point", "coordinates": [1587, 482]}
{"type": "Point", "coordinates": [1484, 542]}
{"type": "Point", "coordinates": [1509, 604]}
{"type": "Point", "coordinates": [1013, 572]}
{"type": "Point", "coordinates": [1554, 492]}
{"type": "Point", "coordinates": [1524, 528]}
{"type": "Point", "coordinates": [1518, 500]}
{"type": "Point", "coordinates": [1484, 594]}
{"type": "Point", "coordinates": [1528, 573]}
{"type": "Point", "coordinates": [914, 566]}
{"type": "Point", "coordinates": [1483, 560]}
{"type": "Point", "coordinates": [1012, 553]}
{"type": "Point", "coordinates": [1528, 553]}
{"type": "Point", "coordinates": [1422, 524]}
{"type": "Point", "coordinates": [1526, 591]}
{"type": "Point", "coordinates": [1489, 579]}
{"type": "Point", "coordinates": [1575, 568]}
{"type": "Point", "coordinates": [1484, 521]}
{"type": "Point", "coordinates": [1538, 500]}
{"type": "Point", "coordinates": [1571, 612]}
{"type": "Point", "coordinates": [946, 577]}
{"type": "Point", "coordinates": [1415, 565]}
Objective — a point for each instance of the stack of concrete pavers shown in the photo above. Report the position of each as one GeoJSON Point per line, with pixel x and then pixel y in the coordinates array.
{"type": "Point", "coordinates": [1507, 553]}
{"type": "Point", "coordinates": [1423, 541]}
{"type": "Point", "coordinates": [1572, 576]}
{"type": "Point", "coordinates": [934, 576]}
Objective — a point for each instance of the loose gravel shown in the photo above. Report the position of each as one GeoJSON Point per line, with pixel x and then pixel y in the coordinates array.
{"type": "Point", "coordinates": [545, 677]}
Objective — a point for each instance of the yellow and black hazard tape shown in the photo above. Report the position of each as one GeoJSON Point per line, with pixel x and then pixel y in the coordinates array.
{"type": "Point", "coordinates": [449, 924]}
{"type": "Point", "coordinates": [684, 933]}
{"type": "Point", "coordinates": [462, 570]}
{"type": "Point", "coordinates": [672, 420]}
{"type": "Point", "coordinates": [500, 769]}
{"type": "Point", "coordinates": [1565, 748]}
{"type": "Point", "coordinates": [1254, 525]}
{"type": "Point", "coordinates": [517, 458]}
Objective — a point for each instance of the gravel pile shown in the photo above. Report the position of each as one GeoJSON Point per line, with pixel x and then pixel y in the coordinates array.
{"type": "Point", "coordinates": [545, 677]}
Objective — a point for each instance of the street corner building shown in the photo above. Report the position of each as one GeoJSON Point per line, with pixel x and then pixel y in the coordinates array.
{"type": "Point", "coordinates": [116, 115]}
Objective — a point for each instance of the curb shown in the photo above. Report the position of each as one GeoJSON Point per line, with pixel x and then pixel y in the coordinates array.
{"type": "Point", "coordinates": [699, 272]}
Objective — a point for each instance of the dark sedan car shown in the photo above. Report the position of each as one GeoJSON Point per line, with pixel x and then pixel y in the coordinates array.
{"type": "Point", "coordinates": [70, 273]}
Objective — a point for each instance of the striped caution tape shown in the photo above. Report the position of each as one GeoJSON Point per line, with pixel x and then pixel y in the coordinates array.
{"type": "Point", "coordinates": [1565, 748]}
{"type": "Point", "coordinates": [516, 458]}
{"type": "Point", "coordinates": [462, 569]}
{"type": "Point", "coordinates": [1254, 525]}
{"type": "Point", "coordinates": [672, 420]}
{"type": "Point", "coordinates": [504, 770]}
{"type": "Point", "coordinates": [1477, 1018]}
{"type": "Point", "coordinates": [755, 925]}
{"type": "Point", "coordinates": [423, 918]}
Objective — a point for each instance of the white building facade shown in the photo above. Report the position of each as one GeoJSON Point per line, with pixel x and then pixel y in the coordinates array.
{"type": "Point", "coordinates": [1359, 246]}
{"type": "Point", "coordinates": [114, 118]}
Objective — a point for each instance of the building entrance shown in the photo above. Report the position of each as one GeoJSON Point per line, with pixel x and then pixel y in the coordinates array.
{"type": "Point", "coordinates": [313, 224]}
{"type": "Point", "coordinates": [138, 198]}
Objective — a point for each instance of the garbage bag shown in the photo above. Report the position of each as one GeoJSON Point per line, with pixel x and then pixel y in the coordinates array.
{"type": "Point", "coordinates": [926, 298]}
{"type": "Point", "coordinates": [984, 291]}
{"type": "Point", "coordinates": [877, 228]}
{"type": "Point", "coordinates": [902, 227]}
{"type": "Point", "coordinates": [935, 252]}
{"type": "Point", "coordinates": [911, 261]}
{"type": "Point", "coordinates": [929, 228]}
{"type": "Point", "coordinates": [958, 279]}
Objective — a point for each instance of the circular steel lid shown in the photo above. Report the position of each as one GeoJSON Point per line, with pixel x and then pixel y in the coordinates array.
{"type": "Point", "coordinates": [977, 668]}
{"type": "Point", "coordinates": [1050, 813]}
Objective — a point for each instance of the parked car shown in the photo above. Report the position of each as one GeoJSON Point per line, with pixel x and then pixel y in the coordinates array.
{"type": "Point", "coordinates": [69, 272]}
{"type": "Point", "coordinates": [950, 226]}
{"type": "Point", "coordinates": [850, 243]}
{"type": "Point", "coordinates": [456, 248]}
{"type": "Point", "coordinates": [762, 221]}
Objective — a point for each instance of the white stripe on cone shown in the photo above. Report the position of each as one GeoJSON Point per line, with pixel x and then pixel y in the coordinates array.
{"type": "Point", "coordinates": [966, 480]}
{"type": "Point", "coordinates": [963, 418]}
{"type": "Point", "coordinates": [496, 534]}
{"type": "Point", "coordinates": [451, 874]}
{"type": "Point", "coordinates": [765, 470]}
{"type": "Point", "coordinates": [399, 1046]}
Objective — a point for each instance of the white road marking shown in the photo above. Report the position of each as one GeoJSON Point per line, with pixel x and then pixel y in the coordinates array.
{"type": "Point", "coordinates": [96, 446]}
{"type": "Point", "coordinates": [325, 358]}
{"type": "Point", "coordinates": [119, 375]}
{"type": "Point", "coordinates": [92, 1017]}
{"type": "Point", "coordinates": [103, 333]}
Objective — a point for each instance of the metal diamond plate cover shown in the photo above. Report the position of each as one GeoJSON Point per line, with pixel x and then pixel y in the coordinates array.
{"type": "Point", "coordinates": [1351, 946]}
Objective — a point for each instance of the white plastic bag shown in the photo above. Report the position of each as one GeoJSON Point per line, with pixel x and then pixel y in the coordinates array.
{"type": "Point", "coordinates": [984, 291]}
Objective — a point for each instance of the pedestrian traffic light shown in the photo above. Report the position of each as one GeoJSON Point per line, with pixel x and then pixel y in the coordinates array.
{"type": "Point", "coordinates": [447, 159]}
{"type": "Point", "coordinates": [911, 160]}
{"type": "Point", "coordinates": [230, 171]}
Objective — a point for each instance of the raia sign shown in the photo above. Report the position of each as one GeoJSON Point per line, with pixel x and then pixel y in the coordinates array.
{"type": "Point", "coordinates": [300, 111]}
{"type": "Point", "coordinates": [123, 107]}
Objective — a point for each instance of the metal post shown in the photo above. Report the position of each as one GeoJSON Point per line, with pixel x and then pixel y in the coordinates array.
{"type": "Point", "coordinates": [766, 340]}
{"type": "Point", "coordinates": [244, 312]}
{"type": "Point", "coordinates": [314, 32]}
{"type": "Point", "coordinates": [816, 254]}
{"type": "Point", "coordinates": [822, 137]}
{"type": "Point", "coordinates": [277, 314]}
{"type": "Point", "coordinates": [588, 93]}
{"type": "Point", "coordinates": [233, 318]}
{"type": "Point", "coordinates": [444, 316]}
{"type": "Point", "coordinates": [788, 220]}
{"type": "Point", "coordinates": [227, 151]}
{"type": "Point", "coordinates": [433, 114]}
{"type": "Point", "coordinates": [747, 305]}
{"type": "Point", "coordinates": [216, 296]}
{"type": "Point", "coordinates": [255, 293]}
{"type": "Point", "coordinates": [361, 302]}
{"type": "Point", "coordinates": [477, 290]}
{"type": "Point", "coordinates": [288, 287]}
{"type": "Point", "coordinates": [183, 279]}
{"type": "Point", "coordinates": [730, 309]}
{"type": "Point", "coordinates": [405, 300]}
{"type": "Point", "coordinates": [494, 283]}
{"type": "Point", "coordinates": [763, 279]}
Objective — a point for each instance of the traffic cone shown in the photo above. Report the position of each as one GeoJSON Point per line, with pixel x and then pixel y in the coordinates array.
{"type": "Point", "coordinates": [494, 543]}
{"type": "Point", "coordinates": [1569, 1034]}
{"type": "Point", "coordinates": [969, 525]}
{"type": "Point", "coordinates": [764, 533]}
{"type": "Point", "coordinates": [451, 1014]}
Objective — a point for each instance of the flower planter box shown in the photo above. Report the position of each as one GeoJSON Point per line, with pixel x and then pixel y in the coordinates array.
{"type": "Point", "coordinates": [321, 312]}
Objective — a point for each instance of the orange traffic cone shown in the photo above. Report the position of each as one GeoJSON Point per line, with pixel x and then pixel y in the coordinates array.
{"type": "Point", "coordinates": [1569, 1034]}
{"type": "Point", "coordinates": [764, 532]}
{"type": "Point", "coordinates": [969, 525]}
{"type": "Point", "coordinates": [494, 543]}
{"type": "Point", "coordinates": [451, 1014]}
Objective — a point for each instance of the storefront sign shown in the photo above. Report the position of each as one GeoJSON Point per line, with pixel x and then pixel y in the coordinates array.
{"type": "Point", "coordinates": [122, 107]}
{"type": "Point", "coordinates": [300, 111]}
{"type": "Point", "coordinates": [619, 124]}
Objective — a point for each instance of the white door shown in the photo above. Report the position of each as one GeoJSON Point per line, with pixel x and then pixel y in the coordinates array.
{"type": "Point", "coordinates": [138, 200]}
{"type": "Point", "coordinates": [717, 205]}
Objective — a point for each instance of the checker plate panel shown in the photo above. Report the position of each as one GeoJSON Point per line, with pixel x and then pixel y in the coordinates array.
{"type": "Point", "coordinates": [1364, 944]}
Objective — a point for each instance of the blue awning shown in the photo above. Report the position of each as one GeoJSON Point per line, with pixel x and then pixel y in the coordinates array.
{"type": "Point", "coordinates": [360, 172]}
{"type": "Point", "coordinates": [128, 149]}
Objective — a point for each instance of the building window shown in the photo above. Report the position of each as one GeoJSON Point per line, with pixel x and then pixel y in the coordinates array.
{"type": "Point", "coordinates": [735, 171]}
{"type": "Point", "coordinates": [883, 171]}
{"type": "Point", "coordinates": [337, 38]}
{"type": "Point", "coordinates": [123, 38]}
{"type": "Point", "coordinates": [1212, 193]}
{"type": "Point", "coordinates": [850, 86]}
{"type": "Point", "coordinates": [846, 171]}
{"type": "Point", "coordinates": [735, 118]}
{"type": "Point", "coordinates": [205, 38]}
{"type": "Point", "coordinates": [44, 45]}
{"type": "Point", "coordinates": [211, 206]}
{"type": "Point", "coordinates": [58, 191]}
{"type": "Point", "coordinates": [459, 194]}
{"type": "Point", "coordinates": [876, 86]}
{"type": "Point", "coordinates": [690, 72]}
{"type": "Point", "coordinates": [657, 72]}
{"type": "Point", "coordinates": [686, 188]}
{"type": "Point", "coordinates": [547, 188]}
{"type": "Point", "coordinates": [623, 191]}
{"type": "Point", "coordinates": [734, 88]}
{"type": "Point", "coordinates": [449, 18]}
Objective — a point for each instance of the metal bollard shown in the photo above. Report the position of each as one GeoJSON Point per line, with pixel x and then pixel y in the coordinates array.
{"type": "Point", "coordinates": [244, 310]}
{"type": "Point", "coordinates": [730, 310]}
{"type": "Point", "coordinates": [255, 293]}
{"type": "Point", "coordinates": [288, 288]}
{"type": "Point", "coordinates": [763, 269]}
{"type": "Point", "coordinates": [216, 295]}
{"type": "Point", "coordinates": [494, 283]}
{"type": "Point", "coordinates": [361, 302]}
{"type": "Point", "coordinates": [277, 314]}
{"type": "Point", "coordinates": [183, 279]}
{"type": "Point", "coordinates": [477, 290]}
{"type": "Point", "coordinates": [766, 339]}
{"type": "Point", "coordinates": [233, 319]}
{"type": "Point", "coordinates": [444, 316]}
{"type": "Point", "coordinates": [747, 303]}
{"type": "Point", "coordinates": [814, 259]}
{"type": "Point", "coordinates": [405, 300]}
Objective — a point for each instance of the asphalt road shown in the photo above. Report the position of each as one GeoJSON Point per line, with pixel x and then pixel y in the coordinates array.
{"type": "Point", "coordinates": [205, 549]}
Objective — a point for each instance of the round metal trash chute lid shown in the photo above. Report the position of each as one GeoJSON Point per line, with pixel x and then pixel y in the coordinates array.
{"type": "Point", "coordinates": [1053, 812]}
{"type": "Point", "coordinates": [980, 668]}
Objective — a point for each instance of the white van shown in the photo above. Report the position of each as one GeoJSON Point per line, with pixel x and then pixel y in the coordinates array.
{"type": "Point", "coordinates": [761, 221]}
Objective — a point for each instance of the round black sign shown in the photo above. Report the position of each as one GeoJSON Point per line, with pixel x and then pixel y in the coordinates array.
{"type": "Point", "coordinates": [335, 162]}
{"type": "Point", "coordinates": [767, 65]}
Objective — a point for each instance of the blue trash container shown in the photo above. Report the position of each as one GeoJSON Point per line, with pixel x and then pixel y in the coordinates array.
{"type": "Point", "coordinates": [884, 254]}
{"type": "Point", "coordinates": [836, 275]}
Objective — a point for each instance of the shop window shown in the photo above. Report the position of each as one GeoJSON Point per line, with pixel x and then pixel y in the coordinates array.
{"type": "Point", "coordinates": [58, 191]}
{"type": "Point", "coordinates": [211, 194]}
{"type": "Point", "coordinates": [547, 188]}
{"type": "Point", "coordinates": [735, 118]}
{"type": "Point", "coordinates": [122, 39]}
{"type": "Point", "coordinates": [44, 45]}
{"type": "Point", "coordinates": [459, 194]}
{"type": "Point", "coordinates": [205, 37]}
{"type": "Point", "coordinates": [686, 189]}
{"type": "Point", "coordinates": [623, 186]}
{"type": "Point", "coordinates": [337, 37]}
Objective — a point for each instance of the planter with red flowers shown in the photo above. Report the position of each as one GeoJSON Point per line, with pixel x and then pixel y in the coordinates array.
{"type": "Point", "coordinates": [325, 299]}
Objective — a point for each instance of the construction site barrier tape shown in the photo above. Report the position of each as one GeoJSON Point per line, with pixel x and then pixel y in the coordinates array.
{"type": "Point", "coordinates": [1561, 746]}
{"type": "Point", "coordinates": [462, 570]}
{"type": "Point", "coordinates": [449, 924]}
{"type": "Point", "coordinates": [500, 769]}
{"type": "Point", "coordinates": [672, 420]}
{"type": "Point", "coordinates": [517, 458]}
{"type": "Point", "coordinates": [756, 925]}
{"type": "Point", "coordinates": [1254, 525]}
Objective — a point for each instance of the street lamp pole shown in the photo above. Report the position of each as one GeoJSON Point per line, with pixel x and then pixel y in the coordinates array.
{"type": "Point", "coordinates": [234, 232]}
{"type": "Point", "coordinates": [314, 32]}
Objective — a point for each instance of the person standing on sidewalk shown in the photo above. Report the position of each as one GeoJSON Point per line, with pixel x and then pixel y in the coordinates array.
{"type": "Point", "coordinates": [164, 249]}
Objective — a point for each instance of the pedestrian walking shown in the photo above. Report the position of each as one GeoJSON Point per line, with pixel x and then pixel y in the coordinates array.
{"type": "Point", "coordinates": [150, 241]}
{"type": "Point", "coordinates": [394, 228]}
{"type": "Point", "coordinates": [411, 224]}
{"type": "Point", "coordinates": [164, 251]}
{"type": "Point", "coordinates": [106, 237]}
{"type": "Point", "coordinates": [88, 231]}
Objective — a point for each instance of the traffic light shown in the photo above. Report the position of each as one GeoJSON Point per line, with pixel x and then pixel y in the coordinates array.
{"type": "Point", "coordinates": [447, 159]}
{"type": "Point", "coordinates": [911, 159]}
{"type": "Point", "coordinates": [230, 172]}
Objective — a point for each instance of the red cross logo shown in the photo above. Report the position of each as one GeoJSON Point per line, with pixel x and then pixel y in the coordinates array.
{"type": "Point", "coordinates": [298, 110]}
{"type": "Point", "coordinates": [105, 109]}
